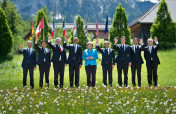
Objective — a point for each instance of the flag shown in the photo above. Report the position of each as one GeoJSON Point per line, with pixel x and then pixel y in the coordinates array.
{"type": "Point", "coordinates": [74, 32]}
{"type": "Point", "coordinates": [86, 30]}
{"type": "Point", "coordinates": [106, 25]}
{"type": "Point", "coordinates": [39, 27]}
{"type": "Point", "coordinates": [64, 28]}
{"type": "Point", "coordinates": [97, 27]}
{"type": "Point", "coordinates": [53, 29]}
{"type": "Point", "coordinates": [32, 30]}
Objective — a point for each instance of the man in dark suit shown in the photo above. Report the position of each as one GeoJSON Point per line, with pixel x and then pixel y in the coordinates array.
{"type": "Point", "coordinates": [29, 63]}
{"type": "Point", "coordinates": [74, 60]}
{"type": "Point", "coordinates": [43, 61]}
{"type": "Point", "coordinates": [123, 60]}
{"type": "Point", "coordinates": [59, 60]}
{"type": "Point", "coordinates": [137, 60]}
{"type": "Point", "coordinates": [152, 60]}
{"type": "Point", "coordinates": [108, 61]}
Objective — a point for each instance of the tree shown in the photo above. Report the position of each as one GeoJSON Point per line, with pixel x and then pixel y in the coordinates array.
{"type": "Point", "coordinates": [5, 35]}
{"type": "Point", "coordinates": [40, 15]}
{"type": "Point", "coordinates": [163, 26]}
{"type": "Point", "coordinates": [80, 33]}
{"type": "Point", "coordinates": [120, 26]}
{"type": "Point", "coordinates": [4, 4]}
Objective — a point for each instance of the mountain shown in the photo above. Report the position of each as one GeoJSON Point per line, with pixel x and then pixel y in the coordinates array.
{"type": "Point", "coordinates": [91, 9]}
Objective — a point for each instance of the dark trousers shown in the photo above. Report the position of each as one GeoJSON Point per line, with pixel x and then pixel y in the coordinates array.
{"type": "Point", "coordinates": [31, 73]}
{"type": "Point", "coordinates": [44, 69]}
{"type": "Point", "coordinates": [74, 70]}
{"type": "Point", "coordinates": [58, 70]}
{"type": "Point", "coordinates": [105, 70]}
{"type": "Point", "coordinates": [152, 73]}
{"type": "Point", "coordinates": [134, 68]}
{"type": "Point", "coordinates": [123, 67]}
{"type": "Point", "coordinates": [91, 73]}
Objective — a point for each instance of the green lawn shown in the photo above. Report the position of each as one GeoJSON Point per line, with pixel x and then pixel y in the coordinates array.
{"type": "Point", "coordinates": [14, 99]}
{"type": "Point", "coordinates": [11, 72]}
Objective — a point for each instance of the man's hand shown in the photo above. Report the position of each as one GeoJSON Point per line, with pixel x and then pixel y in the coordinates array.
{"type": "Point", "coordinates": [21, 46]}
{"type": "Point", "coordinates": [129, 63]}
{"type": "Point", "coordinates": [36, 39]}
{"type": "Point", "coordinates": [49, 37]}
{"type": "Point", "coordinates": [80, 65]}
{"type": "Point", "coordinates": [34, 68]}
{"type": "Point", "coordinates": [65, 65]}
{"type": "Point", "coordinates": [65, 38]}
{"type": "Point", "coordinates": [112, 66]}
{"type": "Point", "coordinates": [141, 41]}
{"type": "Point", "coordinates": [155, 39]}
{"type": "Point", "coordinates": [97, 42]}
{"type": "Point", "coordinates": [115, 40]}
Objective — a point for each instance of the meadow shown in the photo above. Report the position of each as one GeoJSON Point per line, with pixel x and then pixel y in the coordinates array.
{"type": "Point", "coordinates": [15, 99]}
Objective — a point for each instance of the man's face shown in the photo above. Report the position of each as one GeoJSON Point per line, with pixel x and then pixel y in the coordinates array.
{"type": "Point", "coordinates": [106, 44]}
{"type": "Point", "coordinates": [135, 41]}
{"type": "Point", "coordinates": [122, 40]}
{"type": "Point", "coordinates": [150, 42]}
{"type": "Point", "coordinates": [44, 44]}
{"type": "Point", "coordinates": [29, 44]}
{"type": "Point", "coordinates": [75, 40]}
{"type": "Point", "coordinates": [58, 41]}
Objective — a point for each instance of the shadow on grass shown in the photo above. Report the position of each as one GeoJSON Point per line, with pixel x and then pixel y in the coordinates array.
{"type": "Point", "coordinates": [7, 58]}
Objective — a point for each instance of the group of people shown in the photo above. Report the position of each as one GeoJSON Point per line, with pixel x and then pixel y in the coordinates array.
{"type": "Point", "coordinates": [126, 56]}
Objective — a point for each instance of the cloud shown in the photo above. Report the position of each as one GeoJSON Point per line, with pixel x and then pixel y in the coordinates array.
{"type": "Point", "coordinates": [153, 1]}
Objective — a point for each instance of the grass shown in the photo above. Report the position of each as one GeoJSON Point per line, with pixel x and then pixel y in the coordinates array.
{"type": "Point", "coordinates": [11, 75]}
{"type": "Point", "coordinates": [14, 99]}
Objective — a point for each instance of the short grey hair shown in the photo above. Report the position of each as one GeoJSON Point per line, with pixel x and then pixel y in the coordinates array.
{"type": "Point", "coordinates": [150, 39]}
{"type": "Point", "coordinates": [29, 41]}
{"type": "Point", "coordinates": [58, 38]}
{"type": "Point", "coordinates": [75, 38]}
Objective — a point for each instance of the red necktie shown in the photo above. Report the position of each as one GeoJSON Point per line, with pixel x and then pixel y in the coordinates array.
{"type": "Point", "coordinates": [60, 49]}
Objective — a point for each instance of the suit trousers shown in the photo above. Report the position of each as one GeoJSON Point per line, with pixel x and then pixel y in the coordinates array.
{"type": "Point", "coordinates": [31, 73]}
{"type": "Point", "coordinates": [107, 69]}
{"type": "Point", "coordinates": [123, 67]}
{"type": "Point", "coordinates": [44, 69]}
{"type": "Point", "coordinates": [134, 68]}
{"type": "Point", "coordinates": [58, 70]}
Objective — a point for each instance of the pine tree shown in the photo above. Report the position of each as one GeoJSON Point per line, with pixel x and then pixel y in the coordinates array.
{"type": "Point", "coordinates": [4, 4]}
{"type": "Point", "coordinates": [120, 26]}
{"type": "Point", "coordinates": [6, 40]}
{"type": "Point", "coordinates": [40, 15]}
{"type": "Point", "coordinates": [80, 33]}
{"type": "Point", "coordinates": [163, 26]}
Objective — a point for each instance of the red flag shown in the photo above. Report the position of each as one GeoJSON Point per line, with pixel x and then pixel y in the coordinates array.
{"type": "Point", "coordinates": [39, 27]}
{"type": "Point", "coordinates": [52, 33]}
{"type": "Point", "coordinates": [63, 28]}
{"type": "Point", "coordinates": [32, 30]}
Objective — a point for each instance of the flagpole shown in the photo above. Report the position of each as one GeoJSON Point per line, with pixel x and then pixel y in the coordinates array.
{"type": "Point", "coordinates": [43, 29]}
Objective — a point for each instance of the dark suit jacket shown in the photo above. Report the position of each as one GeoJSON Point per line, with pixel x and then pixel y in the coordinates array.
{"type": "Point", "coordinates": [28, 59]}
{"type": "Point", "coordinates": [42, 55]}
{"type": "Point", "coordinates": [107, 59]}
{"type": "Point", "coordinates": [153, 54]}
{"type": "Point", "coordinates": [123, 57]}
{"type": "Point", "coordinates": [74, 58]}
{"type": "Point", "coordinates": [136, 57]}
{"type": "Point", "coordinates": [57, 53]}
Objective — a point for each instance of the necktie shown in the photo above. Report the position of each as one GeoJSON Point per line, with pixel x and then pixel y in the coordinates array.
{"type": "Point", "coordinates": [135, 48]}
{"type": "Point", "coordinates": [150, 49]}
{"type": "Point", "coordinates": [123, 47]}
{"type": "Point", "coordinates": [29, 51]}
{"type": "Point", "coordinates": [60, 48]}
{"type": "Point", "coordinates": [75, 47]}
